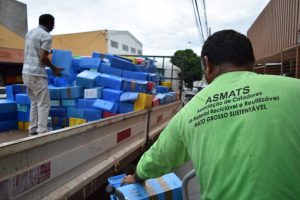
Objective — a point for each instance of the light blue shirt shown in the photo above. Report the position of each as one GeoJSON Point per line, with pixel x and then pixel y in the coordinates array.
{"type": "Point", "coordinates": [36, 39]}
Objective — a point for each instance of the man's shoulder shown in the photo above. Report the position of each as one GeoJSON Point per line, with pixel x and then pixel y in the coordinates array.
{"type": "Point", "coordinates": [40, 31]}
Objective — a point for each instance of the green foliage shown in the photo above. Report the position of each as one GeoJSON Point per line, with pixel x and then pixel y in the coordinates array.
{"type": "Point", "coordinates": [190, 65]}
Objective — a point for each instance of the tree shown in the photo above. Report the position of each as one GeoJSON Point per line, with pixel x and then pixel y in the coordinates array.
{"type": "Point", "coordinates": [190, 65]}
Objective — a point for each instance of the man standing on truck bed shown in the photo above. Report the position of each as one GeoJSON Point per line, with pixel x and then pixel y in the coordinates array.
{"type": "Point", "coordinates": [37, 48]}
{"type": "Point", "coordinates": [242, 131]}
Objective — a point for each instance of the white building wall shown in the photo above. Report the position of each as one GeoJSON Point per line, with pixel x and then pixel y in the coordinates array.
{"type": "Point", "coordinates": [123, 38]}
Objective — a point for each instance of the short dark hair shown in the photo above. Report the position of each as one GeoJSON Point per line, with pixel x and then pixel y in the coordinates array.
{"type": "Point", "coordinates": [228, 47]}
{"type": "Point", "coordinates": [45, 19]}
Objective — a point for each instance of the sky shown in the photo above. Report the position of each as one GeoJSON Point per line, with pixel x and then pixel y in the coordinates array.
{"type": "Point", "coordinates": [162, 26]}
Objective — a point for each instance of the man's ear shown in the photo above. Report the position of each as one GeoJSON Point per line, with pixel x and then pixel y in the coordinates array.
{"type": "Point", "coordinates": [209, 66]}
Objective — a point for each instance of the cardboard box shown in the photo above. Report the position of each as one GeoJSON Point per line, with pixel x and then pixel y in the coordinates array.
{"type": "Point", "coordinates": [168, 186]}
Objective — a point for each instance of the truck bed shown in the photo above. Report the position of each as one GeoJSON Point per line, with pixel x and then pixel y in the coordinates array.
{"type": "Point", "coordinates": [12, 135]}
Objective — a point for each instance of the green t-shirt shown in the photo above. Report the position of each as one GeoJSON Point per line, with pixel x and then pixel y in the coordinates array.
{"type": "Point", "coordinates": [242, 133]}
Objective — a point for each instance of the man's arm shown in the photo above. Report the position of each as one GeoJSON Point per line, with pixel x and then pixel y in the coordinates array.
{"type": "Point", "coordinates": [46, 61]}
{"type": "Point", "coordinates": [167, 153]}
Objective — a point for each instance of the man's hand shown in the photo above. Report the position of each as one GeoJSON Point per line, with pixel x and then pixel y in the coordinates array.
{"type": "Point", "coordinates": [129, 179]}
{"type": "Point", "coordinates": [57, 71]}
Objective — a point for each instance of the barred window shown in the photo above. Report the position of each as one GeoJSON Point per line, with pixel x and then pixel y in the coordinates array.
{"type": "Point", "coordinates": [125, 47]}
{"type": "Point", "coordinates": [133, 50]}
{"type": "Point", "coordinates": [114, 44]}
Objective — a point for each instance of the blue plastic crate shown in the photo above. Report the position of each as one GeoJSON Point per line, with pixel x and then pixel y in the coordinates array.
{"type": "Point", "coordinates": [19, 88]}
{"type": "Point", "coordinates": [75, 66]}
{"type": "Point", "coordinates": [54, 92]}
{"type": "Point", "coordinates": [23, 116]}
{"type": "Point", "coordinates": [60, 81]}
{"type": "Point", "coordinates": [124, 107]}
{"type": "Point", "coordinates": [8, 125]}
{"type": "Point", "coordinates": [162, 187]}
{"type": "Point", "coordinates": [110, 81]}
{"type": "Point", "coordinates": [154, 78]}
{"type": "Point", "coordinates": [69, 102]}
{"type": "Point", "coordinates": [129, 96]}
{"type": "Point", "coordinates": [87, 79]}
{"type": "Point", "coordinates": [8, 116]}
{"type": "Point", "coordinates": [105, 105]}
{"type": "Point", "coordinates": [111, 94]}
{"type": "Point", "coordinates": [10, 93]}
{"type": "Point", "coordinates": [59, 112]}
{"type": "Point", "coordinates": [107, 69]}
{"type": "Point", "coordinates": [139, 68]}
{"type": "Point", "coordinates": [86, 103]}
{"type": "Point", "coordinates": [92, 115]}
{"type": "Point", "coordinates": [116, 180]}
{"type": "Point", "coordinates": [63, 59]}
{"type": "Point", "coordinates": [121, 64]}
{"type": "Point", "coordinates": [136, 75]}
{"type": "Point", "coordinates": [12, 90]}
{"type": "Point", "coordinates": [59, 122]}
{"type": "Point", "coordinates": [97, 55]}
{"type": "Point", "coordinates": [7, 106]}
{"type": "Point", "coordinates": [55, 103]}
{"type": "Point", "coordinates": [134, 85]}
{"type": "Point", "coordinates": [162, 98]}
{"type": "Point", "coordinates": [162, 89]}
{"type": "Point", "coordinates": [74, 92]}
{"type": "Point", "coordinates": [75, 113]}
{"type": "Point", "coordinates": [22, 99]}
{"type": "Point", "coordinates": [89, 63]}
{"type": "Point", "coordinates": [93, 93]}
{"type": "Point", "coordinates": [23, 108]}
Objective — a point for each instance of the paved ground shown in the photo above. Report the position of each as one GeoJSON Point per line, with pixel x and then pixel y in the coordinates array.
{"type": "Point", "coordinates": [193, 186]}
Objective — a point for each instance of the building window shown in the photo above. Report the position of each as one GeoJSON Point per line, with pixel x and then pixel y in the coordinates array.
{"type": "Point", "coordinates": [140, 52]}
{"type": "Point", "coordinates": [114, 44]}
{"type": "Point", "coordinates": [125, 47]}
{"type": "Point", "coordinates": [133, 50]}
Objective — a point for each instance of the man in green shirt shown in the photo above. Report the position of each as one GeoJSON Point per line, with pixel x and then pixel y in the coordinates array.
{"type": "Point", "coordinates": [241, 132]}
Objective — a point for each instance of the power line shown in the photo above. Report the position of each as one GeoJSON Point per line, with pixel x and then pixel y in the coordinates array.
{"type": "Point", "coordinates": [205, 18]}
{"type": "Point", "coordinates": [196, 21]}
{"type": "Point", "coordinates": [199, 19]}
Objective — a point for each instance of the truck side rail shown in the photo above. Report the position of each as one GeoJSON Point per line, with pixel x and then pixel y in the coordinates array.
{"type": "Point", "coordinates": [60, 164]}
